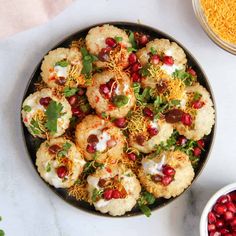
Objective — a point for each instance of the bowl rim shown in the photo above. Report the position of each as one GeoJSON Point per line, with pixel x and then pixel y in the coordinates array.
{"type": "Point", "coordinates": [227, 46]}
{"type": "Point", "coordinates": [203, 221]}
{"type": "Point", "coordinates": [156, 30]}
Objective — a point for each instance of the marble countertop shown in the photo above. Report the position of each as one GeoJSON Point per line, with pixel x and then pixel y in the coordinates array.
{"type": "Point", "coordinates": [27, 206]}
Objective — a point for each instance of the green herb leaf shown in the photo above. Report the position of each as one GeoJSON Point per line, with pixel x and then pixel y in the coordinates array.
{"type": "Point", "coordinates": [118, 39]}
{"type": "Point", "coordinates": [148, 197]}
{"type": "Point", "coordinates": [97, 193]}
{"type": "Point", "coordinates": [34, 126]}
{"type": "Point", "coordinates": [91, 166]}
{"type": "Point", "coordinates": [87, 60]}
{"type": "Point", "coordinates": [63, 63]}
{"type": "Point", "coordinates": [197, 96]}
{"type": "Point", "coordinates": [145, 210]}
{"type": "Point", "coordinates": [187, 78]}
{"type": "Point", "coordinates": [65, 148]}
{"type": "Point", "coordinates": [70, 91]}
{"type": "Point", "coordinates": [131, 49]}
{"type": "Point", "coordinates": [53, 112]}
{"type": "Point", "coordinates": [0, 218]}
{"type": "Point", "coordinates": [104, 115]}
{"type": "Point", "coordinates": [144, 70]}
{"type": "Point", "coordinates": [27, 108]}
{"type": "Point", "coordinates": [132, 40]}
{"type": "Point", "coordinates": [153, 51]}
{"type": "Point", "coordinates": [175, 102]}
{"type": "Point", "coordinates": [120, 100]}
{"type": "Point", "coordinates": [48, 167]}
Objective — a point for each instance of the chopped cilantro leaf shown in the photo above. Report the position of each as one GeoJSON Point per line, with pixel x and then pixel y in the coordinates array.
{"type": "Point", "coordinates": [118, 39]}
{"type": "Point", "coordinates": [153, 51]}
{"type": "Point", "coordinates": [197, 96]}
{"type": "Point", "coordinates": [70, 91]}
{"type": "Point", "coordinates": [53, 112]}
{"type": "Point", "coordinates": [34, 126]}
{"type": "Point", "coordinates": [144, 70]}
{"type": "Point", "coordinates": [65, 148]}
{"type": "Point", "coordinates": [132, 40]}
{"type": "Point", "coordinates": [131, 49]}
{"type": "Point", "coordinates": [2, 233]}
{"type": "Point", "coordinates": [63, 63]}
{"type": "Point", "coordinates": [48, 167]}
{"type": "Point", "coordinates": [145, 210]}
{"type": "Point", "coordinates": [175, 102]}
{"type": "Point", "coordinates": [187, 78]}
{"type": "Point", "coordinates": [145, 199]}
{"type": "Point", "coordinates": [27, 108]}
{"type": "Point", "coordinates": [97, 193]}
{"type": "Point", "coordinates": [87, 60]}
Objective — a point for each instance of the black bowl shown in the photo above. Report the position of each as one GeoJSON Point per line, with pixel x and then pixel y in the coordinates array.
{"type": "Point", "coordinates": [32, 144]}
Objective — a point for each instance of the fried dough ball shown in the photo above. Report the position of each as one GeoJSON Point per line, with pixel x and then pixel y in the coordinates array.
{"type": "Point", "coordinates": [59, 162]}
{"type": "Point", "coordinates": [111, 94]}
{"type": "Point", "coordinates": [113, 190]}
{"type": "Point", "coordinates": [96, 44]}
{"type": "Point", "coordinates": [203, 117]}
{"type": "Point", "coordinates": [62, 67]}
{"type": "Point", "coordinates": [151, 174]}
{"type": "Point", "coordinates": [34, 113]}
{"type": "Point", "coordinates": [95, 136]}
{"type": "Point", "coordinates": [146, 143]}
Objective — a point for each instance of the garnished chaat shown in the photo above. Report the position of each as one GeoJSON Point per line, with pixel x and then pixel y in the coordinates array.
{"type": "Point", "coordinates": [121, 117]}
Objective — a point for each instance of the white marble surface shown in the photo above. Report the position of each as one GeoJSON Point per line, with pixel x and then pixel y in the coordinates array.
{"type": "Point", "coordinates": [27, 206]}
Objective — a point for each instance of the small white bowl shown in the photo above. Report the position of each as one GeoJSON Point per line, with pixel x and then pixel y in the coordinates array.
{"type": "Point", "coordinates": [204, 219]}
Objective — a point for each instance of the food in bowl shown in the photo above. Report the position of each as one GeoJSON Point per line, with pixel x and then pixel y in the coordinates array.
{"type": "Point", "coordinates": [222, 217]}
{"type": "Point", "coordinates": [124, 119]}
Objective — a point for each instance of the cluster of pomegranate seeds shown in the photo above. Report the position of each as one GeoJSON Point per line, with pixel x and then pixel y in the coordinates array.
{"type": "Point", "coordinates": [135, 66]}
{"type": "Point", "coordinates": [168, 175]}
{"type": "Point", "coordinates": [112, 193]}
{"type": "Point", "coordinates": [120, 122]}
{"type": "Point", "coordinates": [92, 142]}
{"type": "Point", "coordinates": [155, 59]}
{"type": "Point", "coordinates": [61, 171]}
{"type": "Point", "coordinates": [45, 101]}
{"type": "Point", "coordinates": [148, 112]}
{"type": "Point", "coordinates": [108, 88]}
{"type": "Point", "coordinates": [222, 217]}
{"type": "Point", "coordinates": [132, 156]}
{"type": "Point", "coordinates": [141, 39]}
{"type": "Point", "coordinates": [168, 60]}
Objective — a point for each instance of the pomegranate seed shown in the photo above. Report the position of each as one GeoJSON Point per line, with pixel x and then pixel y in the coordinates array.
{"type": "Point", "coordinates": [152, 131]}
{"type": "Point", "coordinates": [223, 199]}
{"type": "Point", "coordinates": [181, 141]}
{"type": "Point", "coordinates": [155, 59]}
{"type": "Point", "coordinates": [220, 209]}
{"type": "Point", "coordinates": [132, 156]}
{"type": "Point", "coordinates": [45, 101]}
{"type": "Point", "coordinates": [156, 178]}
{"type": "Point", "coordinates": [211, 217]}
{"type": "Point", "coordinates": [166, 180]}
{"type": "Point", "coordinates": [233, 223]}
{"type": "Point", "coordinates": [111, 143]}
{"type": "Point", "coordinates": [92, 138]}
{"type": "Point", "coordinates": [120, 122]}
{"type": "Point", "coordinates": [132, 58]}
{"type": "Point", "coordinates": [228, 215]}
{"type": "Point", "coordinates": [116, 194]}
{"type": "Point", "coordinates": [136, 77]}
{"type": "Point", "coordinates": [76, 111]}
{"type": "Point", "coordinates": [191, 72]}
{"type": "Point", "coordinates": [219, 224]}
{"type": "Point", "coordinates": [224, 231]}
{"type": "Point", "coordinates": [104, 89]}
{"type": "Point", "coordinates": [103, 54]}
{"type": "Point", "coordinates": [143, 40]}
{"type": "Point", "coordinates": [215, 233]}
{"type": "Point", "coordinates": [168, 170]}
{"type": "Point", "coordinates": [201, 143]}
{"type": "Point", "coordinates": [107, 194]}
{"type": "Point", "coordinates": [91, 148]}
{"type": "Point", "coordinates": [148, 112]}
{"type": "Point", "coordinates": [54, 149]}
{"type": "Point", "coordinates": [231, 207]}
{"type": "Point", "coordinates": [111, 84]}
{"type": "Point", "coordinates": [186, 119]}
{"type": "Point", "coordinates": [198, 104]}
{"type": "Point", "coordinates": [140, 139]}
{"type": "Point", "coordinates": [61, 172]}
{"type": "Point", "coordinates": [73, 100]}
{"type": "Point", "coordinates": [211, 227]}
{"type": "Point", "coordinates": [80, 92]}
{"type": "Point", "coordinates": [197, 151]}
{"type": "Point", "coordinates": [168, 60]}
{"type": "Point", "coordinates": [110, 42]}
{"type": "Point", "coordinates": [135, 67]}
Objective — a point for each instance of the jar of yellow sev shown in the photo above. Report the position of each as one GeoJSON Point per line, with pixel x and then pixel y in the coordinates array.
{"type": "Point", "coordinates": [218, 19]}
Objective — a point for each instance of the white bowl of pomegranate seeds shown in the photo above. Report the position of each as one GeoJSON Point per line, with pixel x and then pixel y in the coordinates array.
{"type": "Point", "coordinates": [219, 215]}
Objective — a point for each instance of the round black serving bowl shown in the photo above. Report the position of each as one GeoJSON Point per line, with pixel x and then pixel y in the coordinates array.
{"type": "Point", "coordinates": [32, 144]}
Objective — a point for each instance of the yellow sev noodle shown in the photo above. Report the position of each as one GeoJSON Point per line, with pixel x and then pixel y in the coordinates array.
{"type": "Point", "coordinates": [221, 17]}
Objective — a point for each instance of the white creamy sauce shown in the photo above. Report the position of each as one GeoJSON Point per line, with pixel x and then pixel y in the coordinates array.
{"type": "Point", "coordinates": [168, 52]}
{"type": "Point", "coordinates": [170, 69]}
{"type": "Point", "coordinates": [102, 143]}
{"type": "Point", "coordinates": [101, 203]}
{"type": "Point", "coordinates": [151, 167]}
{"type": "Point", "coordinates": [93, 181]}
{"type": "Point", "coordinates": [61, 71]}
{"type": "Point", "coordinates": [52, 175]}
{"type": "Point", "coordinates": [154, 124]}
{"type": "Point", "coordinates": [117, 90]}
{"type": "Point", "coordinates": [126, 87]}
